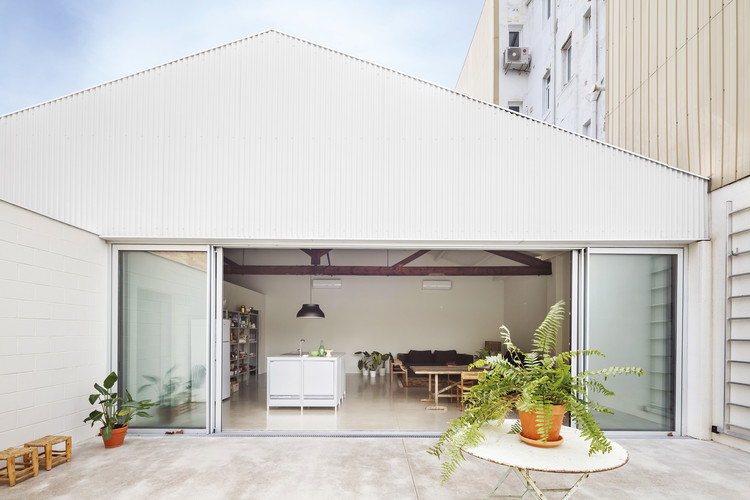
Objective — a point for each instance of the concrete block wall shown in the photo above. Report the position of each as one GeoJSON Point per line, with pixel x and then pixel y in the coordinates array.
{"type": "Point", "coordinates": [53, 325]}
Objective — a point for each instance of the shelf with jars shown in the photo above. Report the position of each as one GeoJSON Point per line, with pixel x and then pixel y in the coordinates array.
{"type": "Point", "coordinates": [243, 344]}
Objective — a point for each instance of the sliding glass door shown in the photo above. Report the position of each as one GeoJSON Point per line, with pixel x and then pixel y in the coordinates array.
{"type": "Point", "coordinates": [163, 334]}
{"type": "Point", "coordinates": [634, 317]}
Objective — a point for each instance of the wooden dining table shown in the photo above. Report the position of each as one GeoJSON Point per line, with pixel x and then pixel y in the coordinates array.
{"type": "Point", "coordinates": [434, 387]}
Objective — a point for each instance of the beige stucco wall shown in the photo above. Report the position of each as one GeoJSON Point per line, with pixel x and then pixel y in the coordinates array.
{"type": "Point", "coordinates": [675, 75]}
{"type": "Point", "coordinates": [478, 75]}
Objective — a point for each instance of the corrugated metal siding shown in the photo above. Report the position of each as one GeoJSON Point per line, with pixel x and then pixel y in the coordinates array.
{"type": "Point", "coordinates": [275, 138]}
{"type": "Point", "coordinates": [676, 79]}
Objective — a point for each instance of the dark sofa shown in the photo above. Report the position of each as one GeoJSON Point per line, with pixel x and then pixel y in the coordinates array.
{"type": "Point", "coordinates": [433, 358]}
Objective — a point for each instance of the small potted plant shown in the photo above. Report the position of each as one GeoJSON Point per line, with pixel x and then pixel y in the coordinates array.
{"type": "Point", "coordinates": [115, 411]}
{"type": "Point", "coordinates": [384, 366]}
{"type": "Point", "coordinates": [363, 363]}
{"type": "Point", "coordinates": [540, 385]}
{"type": "Point", "coordinates": [375, 359]}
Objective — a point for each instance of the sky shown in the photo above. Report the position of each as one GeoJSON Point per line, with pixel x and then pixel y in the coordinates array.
{"type": "Point", "coordinates": [52, 48]}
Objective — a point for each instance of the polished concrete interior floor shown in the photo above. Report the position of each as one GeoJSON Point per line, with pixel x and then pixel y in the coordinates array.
{"type": "Point", "coordinates": [371, 404]}
{"type": "Point", "coordinates": [259, 468]}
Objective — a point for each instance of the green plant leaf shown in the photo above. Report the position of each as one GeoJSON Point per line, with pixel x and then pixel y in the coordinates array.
{"type": "Point", "coordinates": [531, 382]}
{"type": "Point", "coordinates": [110, 380]}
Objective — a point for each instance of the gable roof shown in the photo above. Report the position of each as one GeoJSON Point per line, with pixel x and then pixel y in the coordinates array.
{"type": "Point", "coordinates": [274, 138]}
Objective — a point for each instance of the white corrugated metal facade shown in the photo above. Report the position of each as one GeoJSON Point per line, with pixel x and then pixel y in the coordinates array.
{"type": "Point", "coordinates": [273, 138]}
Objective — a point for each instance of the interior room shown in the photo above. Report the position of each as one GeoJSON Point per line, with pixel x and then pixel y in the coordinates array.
{"type": "Point", "coordinates": [386, 300]}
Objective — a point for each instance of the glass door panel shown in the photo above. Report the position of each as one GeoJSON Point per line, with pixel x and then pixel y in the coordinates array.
{"type": "Point", "coordinates": [163, 335]}
{"type": "Point", "coordinates": [632, 320]}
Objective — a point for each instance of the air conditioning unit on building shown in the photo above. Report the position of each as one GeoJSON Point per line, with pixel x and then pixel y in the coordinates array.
{"type": "Point", "coordinates": [517, 58]}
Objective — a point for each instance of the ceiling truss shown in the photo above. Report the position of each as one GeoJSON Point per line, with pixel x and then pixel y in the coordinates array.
{"type": "Point", "coordinates": [531, 266]}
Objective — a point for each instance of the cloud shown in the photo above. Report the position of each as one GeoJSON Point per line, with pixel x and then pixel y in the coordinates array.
{"type": "Point", "coordinates": [72, 45]}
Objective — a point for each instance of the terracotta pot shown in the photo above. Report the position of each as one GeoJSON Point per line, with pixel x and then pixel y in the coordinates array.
{"type": "Point", "coordinates": [118, 435]}
{"type": "Point", "coordinates": [529, 423]}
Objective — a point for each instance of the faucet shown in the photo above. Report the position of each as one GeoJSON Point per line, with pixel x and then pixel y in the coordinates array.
{"type": "Point", "coordinates": [301, 341]}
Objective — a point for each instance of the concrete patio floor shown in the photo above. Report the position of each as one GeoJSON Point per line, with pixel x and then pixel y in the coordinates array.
{"type": "Point", "coordinates": [184, 467]}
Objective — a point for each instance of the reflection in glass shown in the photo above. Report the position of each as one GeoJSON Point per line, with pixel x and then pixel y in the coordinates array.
{"type": "Point", "coordinates": [631, 320]}
{"type": "Point", "coordinates": [162, 335]}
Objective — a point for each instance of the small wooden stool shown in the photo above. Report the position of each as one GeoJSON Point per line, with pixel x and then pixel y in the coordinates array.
{"type": "Point", "coordinates": [52, 457]}
{"type": "Point", "coordinates": [29, 464]}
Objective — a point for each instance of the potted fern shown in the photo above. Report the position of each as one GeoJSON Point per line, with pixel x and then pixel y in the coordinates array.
{"type": "Point", "coordinates": [539, 383]}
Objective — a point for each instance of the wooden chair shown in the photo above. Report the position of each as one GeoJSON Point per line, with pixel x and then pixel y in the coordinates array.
{"type": "Point", "coordinates": [468, 380]}
{"type": "Point", "coordinates": [398, 368]}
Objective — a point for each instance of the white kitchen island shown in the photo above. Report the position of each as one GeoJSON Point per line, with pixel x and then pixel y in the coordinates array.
{"type": "Point", "coordinates": [294, 380]}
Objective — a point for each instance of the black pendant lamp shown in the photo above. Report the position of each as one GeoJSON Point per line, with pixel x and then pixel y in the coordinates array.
{"type": "Point", "coordinates": [310, 310]}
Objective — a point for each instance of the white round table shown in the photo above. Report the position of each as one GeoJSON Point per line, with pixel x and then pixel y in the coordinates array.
{"type": "Point", "coordinates": [572, 457]}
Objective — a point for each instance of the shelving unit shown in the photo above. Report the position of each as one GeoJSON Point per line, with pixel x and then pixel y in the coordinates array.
{"type": "Point", "coordinates": [243, 344]}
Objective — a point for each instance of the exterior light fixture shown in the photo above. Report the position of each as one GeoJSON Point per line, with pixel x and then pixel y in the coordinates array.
{"type": "Point", "coordinates": [310, 310]}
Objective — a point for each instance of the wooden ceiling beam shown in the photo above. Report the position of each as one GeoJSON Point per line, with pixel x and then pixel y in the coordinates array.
{"type": "Point", "coordinates": [410, 258]}
{"type": "Point", "coordinates": [391, 270]}
{"type": "Point", "coordinates": [520, 258]}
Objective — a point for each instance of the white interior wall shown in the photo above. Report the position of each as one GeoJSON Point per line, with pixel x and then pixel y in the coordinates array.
{"type": "Point", "coordinates": [526, 306]}
{"type": "Point", "coordinates": [235, 297]}
{"type": "Point", "coordinates": [386, 314]}
{"type": "Point", "coordinates": [394, 314]}
{"type": "Point", "coordinates": [53, 326]}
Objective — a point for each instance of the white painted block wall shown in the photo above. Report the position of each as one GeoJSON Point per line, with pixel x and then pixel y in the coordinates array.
{"type": "Point", "coordinates": [53, 326]}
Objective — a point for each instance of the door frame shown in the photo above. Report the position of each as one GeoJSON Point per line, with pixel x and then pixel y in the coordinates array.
{"type": "Point", "coordinates": [114, 328]}
{"type": "Point", "coordinates": [580, 282]}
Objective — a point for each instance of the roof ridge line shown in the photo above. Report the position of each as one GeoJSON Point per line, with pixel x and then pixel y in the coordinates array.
{"type": "Point", "coordinates": [293, 37]}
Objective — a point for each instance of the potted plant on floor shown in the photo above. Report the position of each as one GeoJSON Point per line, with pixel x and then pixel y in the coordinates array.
{"type": "Point", "coordinates": [375, 359]}
{"type": "Point", "coordinates": [115, 411]}
{"type": "Point", "coordinates": [534, 383]}
{"type": "Point", "coordinates": [363, 363]}
{"type": "Point", "coordinates": [384, 360]}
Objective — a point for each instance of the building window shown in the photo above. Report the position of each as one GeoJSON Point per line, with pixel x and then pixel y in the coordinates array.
{"type": "Point", "coordinates": [514, 35]}
{"type": "Point", "coordinates": [587, 22]}
{"type": "Point", "coordinates": [514, 39]}
{"type": "Point", "coordinates": [515, 106]}
{"type": "Point", "coordinates": [546, 91]}
{"type": "Point", "coordinates": [567, 60]}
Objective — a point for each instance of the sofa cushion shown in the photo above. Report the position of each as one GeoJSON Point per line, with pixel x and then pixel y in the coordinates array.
{"type": "Point", "coordinates": [444, 357]}
{"type": "Point", "coordinates": [464, 359]}
{"type": "Point", "coordinates": [420, 357]}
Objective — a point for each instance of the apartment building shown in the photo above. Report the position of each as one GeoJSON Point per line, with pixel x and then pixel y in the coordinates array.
{"type": "Point", "coordinates": [541, 58]}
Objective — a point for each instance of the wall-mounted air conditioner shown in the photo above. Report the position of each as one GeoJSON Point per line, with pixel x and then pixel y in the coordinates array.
{"type": "Point", "coordinates": [518, 58]}
{"type": "Point", "coordinates": [436, 284]}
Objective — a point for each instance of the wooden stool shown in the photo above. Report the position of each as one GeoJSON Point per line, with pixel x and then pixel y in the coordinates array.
{"type": "Point", "coordinates": [29, 464]}
{"type": "Point", "coordinates": [52, 457]}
